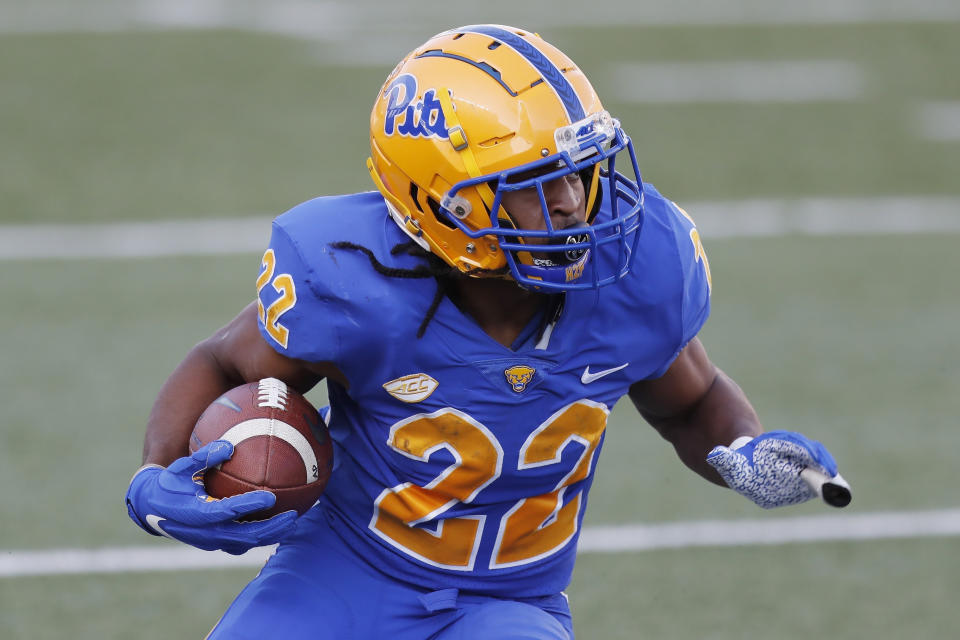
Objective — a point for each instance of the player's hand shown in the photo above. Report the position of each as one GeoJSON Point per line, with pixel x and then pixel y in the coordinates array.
{"type": "Point", "coordinates": [172, 502]}
{"type": "Point", "coordinates": [766, 469]}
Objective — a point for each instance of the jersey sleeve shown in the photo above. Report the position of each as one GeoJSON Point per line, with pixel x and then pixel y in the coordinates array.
{"type": "Point", "coordinates": [697, 283]}
{"type": "Point", "coordinates": [690, 275]}
{"type": "Point", "coordinates": [297, 316]}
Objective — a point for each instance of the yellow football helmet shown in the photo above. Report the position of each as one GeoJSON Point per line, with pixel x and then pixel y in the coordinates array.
{"type": "Point", "coordinates": [482, 110]}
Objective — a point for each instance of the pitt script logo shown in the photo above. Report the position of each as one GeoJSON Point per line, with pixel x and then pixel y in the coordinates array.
{"type": "Point", "coordinates": [405, 117]}
{"type": "Point", "coordinates": [412, 388]}
{"type": "Point", "coordinates": [519, 377]}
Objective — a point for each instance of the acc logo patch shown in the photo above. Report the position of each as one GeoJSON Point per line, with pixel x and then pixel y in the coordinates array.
{"type": "Point", "coordinates": [519, 376]}
{"type": "Point", "coordinates": [412, 388]}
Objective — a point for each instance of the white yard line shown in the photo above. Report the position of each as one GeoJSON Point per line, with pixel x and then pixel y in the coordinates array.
{"type": "Point", "coordinates": [741, 218]}
{"type": "Point", "coordinates": [763, 217]}
{"type": "Point", "coordinates": [835, 527]}
{"type": "Point", "coordinates": [135, 239]}
{"type": "Point", "coordinates": [805, 529]}
{"type": "Point", "coordinates": [161, 557]}
{"type": "Point", "coordinates": [738, 81]}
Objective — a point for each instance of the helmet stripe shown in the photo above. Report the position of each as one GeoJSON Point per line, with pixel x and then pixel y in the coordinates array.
{"type": "Point", "coordinates": [550, 72]}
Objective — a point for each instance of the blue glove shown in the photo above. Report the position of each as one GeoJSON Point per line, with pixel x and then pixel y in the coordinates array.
{"type": "Point", "coordinates": [172, 502]}
{"type": "Point", "coordinates": [766, 469]}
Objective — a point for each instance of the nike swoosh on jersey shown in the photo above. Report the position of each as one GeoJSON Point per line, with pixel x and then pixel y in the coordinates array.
{"type": "Point", "coordinates": [587, 377]}
{"type": "Point", "coordinates": [154, 522]}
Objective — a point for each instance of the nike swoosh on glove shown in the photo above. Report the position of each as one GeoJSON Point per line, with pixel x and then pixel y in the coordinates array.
{"type": "Point", "coordinates": [766, 469]}
{"type": "Point", "coordinates": [172, 502]}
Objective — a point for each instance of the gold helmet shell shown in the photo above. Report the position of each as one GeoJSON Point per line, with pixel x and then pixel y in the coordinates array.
{"type": "Point", "coordinates": [462, 113]}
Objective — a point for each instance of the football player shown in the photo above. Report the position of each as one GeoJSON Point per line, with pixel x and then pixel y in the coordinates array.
{"type": "Point", "coordinates": [475, 319]}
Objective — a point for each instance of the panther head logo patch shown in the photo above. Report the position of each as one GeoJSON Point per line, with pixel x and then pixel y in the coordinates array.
{"type": "Point", "coordinates": [519, 376]}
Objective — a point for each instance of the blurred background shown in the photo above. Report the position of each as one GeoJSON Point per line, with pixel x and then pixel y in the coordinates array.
{"type": "Point", "coordinates": [145, 145]}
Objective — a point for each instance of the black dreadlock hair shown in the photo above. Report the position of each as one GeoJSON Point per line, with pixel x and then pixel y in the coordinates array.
{"type": "Point", "coordinates": [434, 267]}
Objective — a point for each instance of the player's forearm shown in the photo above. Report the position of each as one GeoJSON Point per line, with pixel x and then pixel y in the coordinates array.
{"type": "Point", "coordinates": [720, 416]}
{"type": "Point", "coordinates": [195, 383]}
{"type": "Point", "coordinates": [233, 355]}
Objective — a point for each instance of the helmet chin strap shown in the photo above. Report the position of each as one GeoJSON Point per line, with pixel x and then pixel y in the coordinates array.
{"type": "Point", "coordinates": [593, 192]}
{"type": "Point", "coordinates": [458, 138]}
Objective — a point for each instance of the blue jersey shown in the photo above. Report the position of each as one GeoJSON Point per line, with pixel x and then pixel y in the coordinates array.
{"type": "Point", "coordinates": [460, 462]}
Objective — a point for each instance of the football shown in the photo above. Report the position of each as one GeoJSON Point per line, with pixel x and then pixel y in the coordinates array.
{"type": "Point", "coordinates": [280, 444]}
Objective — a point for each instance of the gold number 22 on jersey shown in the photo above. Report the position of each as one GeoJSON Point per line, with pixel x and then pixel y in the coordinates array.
{"type": "Point", "coordinates": [534, 528]}
{"type": "Point", "coordinates": [283, 285]}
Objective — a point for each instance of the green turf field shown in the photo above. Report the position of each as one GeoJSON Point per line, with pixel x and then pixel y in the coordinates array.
{"type": "Point", "coordinates": [852, 340]}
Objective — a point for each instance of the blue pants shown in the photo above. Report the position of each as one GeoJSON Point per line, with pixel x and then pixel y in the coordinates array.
{"type": "Point", "coordinates": [315, 587]}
